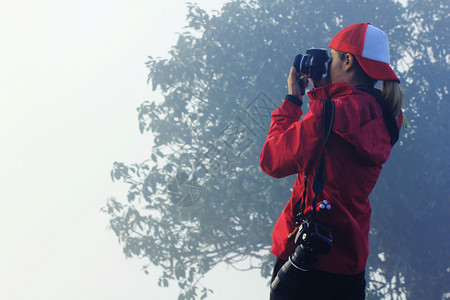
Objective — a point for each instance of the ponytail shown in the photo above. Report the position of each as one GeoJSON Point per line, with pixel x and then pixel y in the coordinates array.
{"type": "Point", "coordinates": [393, 94]}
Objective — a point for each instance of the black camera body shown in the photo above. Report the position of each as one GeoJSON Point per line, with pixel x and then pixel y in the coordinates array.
{"type": "Point", "coordinates": [316, 64]}
{"type": "Point", "coordinates": [312, 239]}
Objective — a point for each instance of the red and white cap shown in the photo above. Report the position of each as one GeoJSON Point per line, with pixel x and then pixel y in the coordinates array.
{"type": "Point", "coordinates": [370, 46]}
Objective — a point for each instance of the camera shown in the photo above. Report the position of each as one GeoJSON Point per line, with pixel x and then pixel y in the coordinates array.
{"type": "Point", "coordinates": [316, 64]}
{"type": "Point", "coordinates": [312, 239]}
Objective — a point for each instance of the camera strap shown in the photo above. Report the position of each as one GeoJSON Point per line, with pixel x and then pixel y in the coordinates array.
{"type": "Point", "coordinates": [327, 124]}
{"type": "Point", "coordinates": [319, 178]}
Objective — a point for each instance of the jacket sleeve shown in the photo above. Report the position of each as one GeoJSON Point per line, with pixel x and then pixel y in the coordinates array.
{"type": "Point", "coordinates": [290, 143]}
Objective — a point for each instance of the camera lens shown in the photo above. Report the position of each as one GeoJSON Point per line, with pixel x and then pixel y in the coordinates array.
{"type": "Point", "coordinates": [297, 62]}
{"type": "Point", "coordinates": [287, 276]}
{"type": "Point", "coordinates": [305, 64]}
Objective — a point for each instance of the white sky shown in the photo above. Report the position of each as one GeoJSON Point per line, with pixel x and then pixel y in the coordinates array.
{"type": "Point", "coordinates": [71, 76]}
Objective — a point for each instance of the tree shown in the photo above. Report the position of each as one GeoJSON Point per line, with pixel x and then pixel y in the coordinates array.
{"type": "Point", "coordinates": [410, 230]}
{"type": "Point", "coordinates": [202, 198]}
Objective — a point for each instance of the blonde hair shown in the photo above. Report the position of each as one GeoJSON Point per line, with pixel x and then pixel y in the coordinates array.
{"type": "Point", "coordinates": [393, 94]}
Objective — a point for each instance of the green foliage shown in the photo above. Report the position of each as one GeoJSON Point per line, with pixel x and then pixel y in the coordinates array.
{"type": "Point", "coordinates": [202, 198]}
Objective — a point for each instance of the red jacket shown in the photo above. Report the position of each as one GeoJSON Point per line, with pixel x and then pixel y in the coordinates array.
{"type": "Point", "coordinates": [356, 150]}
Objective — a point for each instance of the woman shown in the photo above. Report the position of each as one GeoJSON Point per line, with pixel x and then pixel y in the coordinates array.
{"type": "Point", "coordinates": [357, 148]}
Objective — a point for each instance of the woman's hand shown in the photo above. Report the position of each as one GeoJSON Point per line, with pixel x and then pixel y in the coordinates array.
{"type": "Point", "coordinates": [293, 87]}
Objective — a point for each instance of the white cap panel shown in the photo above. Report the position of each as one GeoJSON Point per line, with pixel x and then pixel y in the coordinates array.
{"type": "Point", "coordinates": [376, 45]}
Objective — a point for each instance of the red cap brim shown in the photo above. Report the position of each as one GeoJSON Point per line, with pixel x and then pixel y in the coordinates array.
{"type": "Point", "coordinates": [376, 69]}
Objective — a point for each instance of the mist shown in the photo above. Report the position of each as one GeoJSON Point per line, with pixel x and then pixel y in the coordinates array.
{"type": "Point", "coordinates": [132, 134]}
